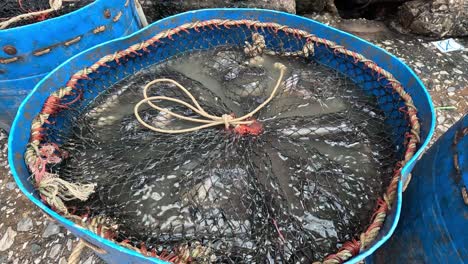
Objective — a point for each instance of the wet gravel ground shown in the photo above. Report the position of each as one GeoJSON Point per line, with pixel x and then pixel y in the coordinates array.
{"type": "Point", "coordinates": [26, 236]}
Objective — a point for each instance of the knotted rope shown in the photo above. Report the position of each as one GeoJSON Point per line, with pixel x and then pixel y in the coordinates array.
{"type": "Point", "coordinates": [227, 119]}
{"type": "Point", "coordinates": [54, 6]}
{"type": "Point", "coordinates": [53, 189]}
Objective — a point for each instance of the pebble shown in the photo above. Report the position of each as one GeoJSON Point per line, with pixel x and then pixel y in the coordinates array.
{"type": "Point", "coordinates": [7, 239]}
{"type": "Point", "coordinates": [11, 186]}
{"type": "Point", "coordinates": [51, 229]}
{"type": "Point", "coordinates": [443, 73]}
{"type": "Point", "coordinates": [451, 89]}
{"type": "Point", "coordinates": [35, 248]}
{"type": "Point", "coordinates": [419, 64]}
{"type": "Point", "coordinates": [62, 260]}
{"type": "Point", "coordinates": [440, 119]}
{"type": "Point", "coordinates": [69, 244]}
{"type": "Point", "coordinates": [24, 224]}
{"type": "Point", "coordinates": [89, 260]}
{"type": "Point", "coordinates": [54, 251]}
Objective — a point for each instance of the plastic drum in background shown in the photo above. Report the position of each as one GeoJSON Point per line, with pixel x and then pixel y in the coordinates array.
{"type": "Point", "coordinates": [156, 43]}
{"type": "Point", "coordinates": [28, 53]}
{"type": "Point", "coordinates": [433, 222]}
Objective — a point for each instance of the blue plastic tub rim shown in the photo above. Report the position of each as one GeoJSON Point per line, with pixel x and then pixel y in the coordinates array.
{"type": "Point", "coordinates": [362, 255]}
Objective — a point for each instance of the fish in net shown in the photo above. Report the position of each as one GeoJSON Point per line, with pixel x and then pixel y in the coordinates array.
{"type": "Point", "coordinates": [248, 151]}
{"type": "Point", "coordinates": [15, 13]}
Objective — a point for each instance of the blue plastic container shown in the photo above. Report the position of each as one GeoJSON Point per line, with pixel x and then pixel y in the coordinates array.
{"type": "Point", "coordinates": [19, 136]}
{"type": "Point", "coordinates": [434, 217]}
{"type": "Point", "coordinates": [36, 49]}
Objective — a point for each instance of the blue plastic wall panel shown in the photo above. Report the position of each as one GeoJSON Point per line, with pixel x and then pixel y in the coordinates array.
{"type": "Point", "coordinates": [434, 218]}
{"type": "Point", "coordinates": [19, 138]}
{"type": "Point", "coordinates": [42, 46]}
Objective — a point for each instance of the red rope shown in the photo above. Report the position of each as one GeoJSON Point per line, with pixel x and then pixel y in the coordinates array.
{"type": "Point", "coordinates": [278, 230]}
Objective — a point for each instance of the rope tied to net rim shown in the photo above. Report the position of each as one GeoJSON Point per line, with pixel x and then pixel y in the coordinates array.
{"type": "Point", "coordinates": [54, 6]}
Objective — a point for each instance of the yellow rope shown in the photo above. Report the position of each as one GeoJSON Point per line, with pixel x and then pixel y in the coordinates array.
{"type": "Point", "coordinates": [210, 120]}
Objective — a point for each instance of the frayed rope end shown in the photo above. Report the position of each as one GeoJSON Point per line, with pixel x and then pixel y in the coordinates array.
{"type": "Point", "coordinates": [56, 190]}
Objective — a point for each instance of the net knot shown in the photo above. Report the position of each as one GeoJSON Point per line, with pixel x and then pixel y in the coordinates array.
{"type": "Point", "coordinates": [253, 129]}
{"type": "Point", "coordinates": [227, 120]}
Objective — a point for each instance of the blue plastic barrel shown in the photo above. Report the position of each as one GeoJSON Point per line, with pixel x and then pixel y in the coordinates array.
{"type": "Point", "coordinates": [28, 53]}
{"type": "Point", "coordinates": [434, 220]}
{"type": "Point", "coordinates": [115, 253]}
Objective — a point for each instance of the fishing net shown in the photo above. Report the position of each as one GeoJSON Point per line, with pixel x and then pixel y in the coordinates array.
{"type": "Point", "coordinates": [227, 141]}
{"type": "Point", "coordinates": [15, 13]}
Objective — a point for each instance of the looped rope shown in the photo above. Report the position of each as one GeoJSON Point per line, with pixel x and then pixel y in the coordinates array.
{"type": "Point", "coordinates": [211, 120]}
{"type": "Point", "coordinates": [74, 257]}
{"type": "Point", "coordinates": [54, 6]}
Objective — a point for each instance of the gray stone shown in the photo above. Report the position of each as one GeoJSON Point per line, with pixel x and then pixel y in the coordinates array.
{"type": "Point", "coordinates": [35, 248]}
{"type": "Point", "coordinates": [7, 239]}
{"type": "Point", "coordinates": [89, 260]}
{"type": "Point", "coordinates": [367, 29]}
{"type": "Point", "coordinates": [24, 224]}
{"type": "Point", "coordinates": [50, 230]}
{"type": "Point", "coordinates": [11, 186]}
{"type": "Point", "coordinates": [308, 6]}
{"type": "Point", "coordinates": [438, 18]}
{"type": "Point", "coordinates": [325, 18]}
{"type": "Point", "coordinates": [69, 244]}
{"type": "Point", "coordinates": [451, 89]}
{"type": "Point", "coordinates": [54, 251]}
{"type": "Point", "coordinates": [63, 260]}
{"type": "Point", "coordinates": [441, 119]}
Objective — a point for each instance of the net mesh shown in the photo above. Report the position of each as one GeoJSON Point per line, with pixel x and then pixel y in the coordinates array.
{"type": "Point", "coordinates": [292, 188]}
{"type": "Point", "coordinates": [15, 13]}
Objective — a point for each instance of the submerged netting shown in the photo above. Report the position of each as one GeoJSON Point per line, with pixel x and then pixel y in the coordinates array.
{"type": "Point", "coordinates": [247, 148]}
{"type": "Point", "coordinates": [14, 13]}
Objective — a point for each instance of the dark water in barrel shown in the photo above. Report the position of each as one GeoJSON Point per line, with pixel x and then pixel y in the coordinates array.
{"type": "Point", "coordinates": [294, 193]}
